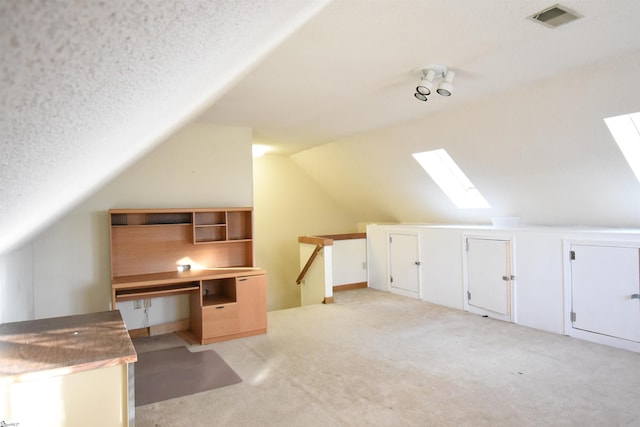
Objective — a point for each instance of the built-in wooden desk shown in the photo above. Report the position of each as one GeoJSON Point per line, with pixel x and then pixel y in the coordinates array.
{"type": "Point", "coordinates": [71, 370]}
{"type": "Point", "coordinates": [227, 295]}
{"type": "Point", "coordinates": [224, 303]}
{"type": "Point", "coordinates": [126, 288]}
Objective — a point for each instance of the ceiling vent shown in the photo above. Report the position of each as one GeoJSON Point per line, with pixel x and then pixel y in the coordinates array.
{"type": "Point", "coordinates": [554, 16]}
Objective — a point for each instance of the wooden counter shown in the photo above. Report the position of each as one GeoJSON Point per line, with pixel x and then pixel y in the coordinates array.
{"type": "Point", "coordinates": [76, 369]}
{"type": "Point", "coordinates": [63, 345]}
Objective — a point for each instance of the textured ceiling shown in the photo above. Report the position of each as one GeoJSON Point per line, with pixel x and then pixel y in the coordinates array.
{"type": "Point", "coordinates": [89, 86]}
{"type": "Point", "coordinates": [354, 66]}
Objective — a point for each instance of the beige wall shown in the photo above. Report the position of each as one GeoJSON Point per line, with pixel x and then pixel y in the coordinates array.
{"type": "Point", "coordinates": [200, 166]}
{"type": "Point", "coordinates": [96, 398]}
{"type": "Point", "coordinates": [288, 204]}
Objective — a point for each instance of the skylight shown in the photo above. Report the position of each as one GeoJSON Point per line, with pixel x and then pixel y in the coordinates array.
{"type": "Point", "coordinates": [625, 131]}
{"type": "Point", "coordinates": [450, 178]}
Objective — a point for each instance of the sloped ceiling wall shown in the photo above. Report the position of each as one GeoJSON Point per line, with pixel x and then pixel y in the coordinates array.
{"type": "Point", "coordinates": [88, 87]}
{"type": "Point", "coordinates": [541, 152]}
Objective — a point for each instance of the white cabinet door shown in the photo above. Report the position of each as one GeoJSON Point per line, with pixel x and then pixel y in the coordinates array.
{"type": "Point", "coordinates": [489, 277]}
{"type": "Point", "coordinates": [404, 263]}
{"type": "Point", "coordinates": [605, 282]}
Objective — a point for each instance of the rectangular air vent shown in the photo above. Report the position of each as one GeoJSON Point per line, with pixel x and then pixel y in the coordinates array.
{"type": "Point", "coordinates": [554, 16]}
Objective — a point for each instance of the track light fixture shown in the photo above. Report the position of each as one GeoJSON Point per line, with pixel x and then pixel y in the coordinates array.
{"type": "Point", "coordinates": [445, 87]}
{"type": "Point", "coordinates": [426, 82]}
{"type": "Point", "coordinates": [425, 86]}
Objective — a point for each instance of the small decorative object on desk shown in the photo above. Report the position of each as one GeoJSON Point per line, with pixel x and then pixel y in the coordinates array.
{"type": "Point", "coordinates": [184, 267]}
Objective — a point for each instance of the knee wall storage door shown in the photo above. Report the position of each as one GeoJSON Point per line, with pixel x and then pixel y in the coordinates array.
{"type": "Point", "coordinates": [605, 288]}
{"type": "Point", "coordinates": [488, 277]}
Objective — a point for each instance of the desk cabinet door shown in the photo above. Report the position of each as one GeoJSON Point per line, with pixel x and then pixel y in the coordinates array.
{"type": "Point", "coordinates": [252, 303]}
{"type": "Point", "coordinates": [219, 320]}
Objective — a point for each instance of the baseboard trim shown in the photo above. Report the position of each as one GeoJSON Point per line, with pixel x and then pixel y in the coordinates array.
{"type": "Point", "coordinates": [138, 333]}
{"type": "Point", "coordinates": [349, 286]}
{"type": "Point", "coordinates": [165, 328]}
{"type": "Point", "coordinates": [232, 336]}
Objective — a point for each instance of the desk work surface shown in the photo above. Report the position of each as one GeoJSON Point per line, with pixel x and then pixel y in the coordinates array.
{"type": "Point", "coordinates": [184, 276]}
{"type": "Point", "coordinates": [43, 348]}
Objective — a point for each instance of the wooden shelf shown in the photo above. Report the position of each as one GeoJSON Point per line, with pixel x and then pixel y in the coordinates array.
{"type": "Point", "coordinates": [162, 290]}
{"type": "Point", "coordinates": [210, 233]}
{"type": "Point", "coordinates": [216, 217]}
{"type": "Point", "coordinates": [150, 225]}
{"type": "Point", "coordinates": [219, 291]}
{"type": "Point", "coordinates": [209, 300]}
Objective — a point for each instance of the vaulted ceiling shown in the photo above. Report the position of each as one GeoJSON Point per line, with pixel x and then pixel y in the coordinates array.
{"type": "Point", "coordinates": [525, 121]}
{"type": "Point", "coordinates": [88, 88]}
{"type": "Point", "coordinates": [354, 66]}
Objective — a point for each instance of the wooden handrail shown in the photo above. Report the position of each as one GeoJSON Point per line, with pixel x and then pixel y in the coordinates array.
{"type": "Point", "coordinates": [309, 262]}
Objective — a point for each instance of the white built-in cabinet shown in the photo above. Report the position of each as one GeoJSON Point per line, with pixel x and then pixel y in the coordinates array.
{"type": "Point", "coordinates": [604, 297]}
{"type": "Point", "coordinates": [487, 276]}
{"type": "Point", "coordinates": [542, 285]}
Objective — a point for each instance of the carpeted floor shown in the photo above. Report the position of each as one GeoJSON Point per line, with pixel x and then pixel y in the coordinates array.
{"type": "Point", "coordinates": [379, 359]}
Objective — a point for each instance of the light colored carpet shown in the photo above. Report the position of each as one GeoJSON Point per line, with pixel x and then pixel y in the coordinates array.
{"type": "Point", "coordinates": [378, 359]}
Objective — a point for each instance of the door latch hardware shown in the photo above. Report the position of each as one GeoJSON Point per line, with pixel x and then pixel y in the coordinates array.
{"type": "Point", "coordinates": [635, 296]}
{"type": "Point", "coordinates": [418, 263]}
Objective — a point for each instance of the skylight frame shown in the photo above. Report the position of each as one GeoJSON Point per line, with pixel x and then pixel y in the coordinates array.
{"type": "Point", "coordinates": [451, 179]}
{"type": "Point", "coordinates": [625, 130]}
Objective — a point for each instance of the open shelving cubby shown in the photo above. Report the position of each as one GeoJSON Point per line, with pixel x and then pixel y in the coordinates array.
{"type": "Point", "coordinates": [153, 218]}
{"type": "Point", "coordinates": [209, 226]}
{"type": "Point", "coordinates": [219, 291]}
{"type": "Point", "coordinates": [239, 225]}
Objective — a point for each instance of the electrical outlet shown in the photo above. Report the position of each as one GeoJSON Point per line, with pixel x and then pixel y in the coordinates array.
{"type": "Point", "coordinates": [147, 303]}
{"type": "Point", "coordinates": [137, 304]}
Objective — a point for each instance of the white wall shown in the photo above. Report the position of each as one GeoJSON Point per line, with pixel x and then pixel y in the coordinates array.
{"type": "Point", "coordinates": [349, 261]}
{"type": "Point", "coordinates": [16, 285]}
{"type": "Point", "coordinates": [538, 265]}
{"type": "Point", "coordinates": [441, 264]}
{"type": "Point", "coordinates": [200, 166]}
{"type": "Point", "coordinates": [541, 152]}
